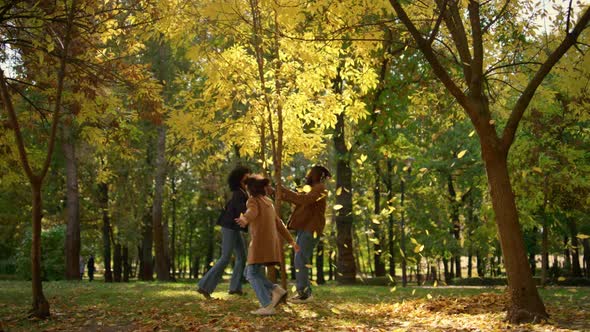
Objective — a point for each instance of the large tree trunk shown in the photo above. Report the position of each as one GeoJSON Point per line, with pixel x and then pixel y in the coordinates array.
{"type": "Point", "coordinates": [162, 267]}
{"type": "Point", "coordinates": [40, 304]}
{"type": "Point", "coordinates": [146, 272]}
{"type": "Point", "coordinates": [346, 269]}
{"type": "Point", "coordinates": [575, 252]}
{"type": "Point", "coordinates": [72, 245]}
{"type": "Point", "coordinates": [103, 189]}
{"type": "Point", "coordinates": [117, 263]}
{"type": "Point", "coordinates": [526, 305]}
{"type": "Point", "coordinates": [377, 251]}
{"type": "Point", "coordinates": [320, 279]}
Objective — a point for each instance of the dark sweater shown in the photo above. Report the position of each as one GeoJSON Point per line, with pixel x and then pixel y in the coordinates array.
{"type": "Point", "coordinates": [233, 209]}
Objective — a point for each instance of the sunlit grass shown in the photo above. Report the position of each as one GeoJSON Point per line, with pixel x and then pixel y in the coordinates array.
{"type": "Point", "coordinates": [177, 306]}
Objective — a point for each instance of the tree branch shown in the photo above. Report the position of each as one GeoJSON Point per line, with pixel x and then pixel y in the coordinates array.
{"type": "Point", "coordinates": [426, 49]}
{"type": "Point", "coordinates": [495, 19]}
{"type": "Point", "coordinates": [525, 98]}
{"type": "Point", "coordinates": [476, 83]}
{"type": "Point", "coordinates": [455, 25]}
{"type": "Point", "coordinates": [59, 91]}
{"type": "Point", "coordinates": [9, 107]}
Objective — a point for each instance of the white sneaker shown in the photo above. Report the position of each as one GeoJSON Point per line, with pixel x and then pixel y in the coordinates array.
{"type": "Point", "coordinates": [265, 311]}
{"type": "Point", "coordinates": [278, 294]}
{"type": "Point", "coordinates": [301, 298]}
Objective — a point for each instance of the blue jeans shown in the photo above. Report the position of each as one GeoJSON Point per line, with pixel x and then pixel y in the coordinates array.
{"type": "Point", "coordinates": [231, 240]}
{"type": "Point", "coordinates": [306, 242]}
{"type": "Point", "coordinates": [260, 284]}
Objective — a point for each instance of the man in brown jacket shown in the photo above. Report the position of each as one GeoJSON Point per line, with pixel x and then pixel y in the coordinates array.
{"type": "Point", "coordinates": [308, 219]}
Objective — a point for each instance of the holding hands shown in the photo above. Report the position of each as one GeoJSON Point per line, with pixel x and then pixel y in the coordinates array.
{"type": "Point", "coordinates": [243, 222]}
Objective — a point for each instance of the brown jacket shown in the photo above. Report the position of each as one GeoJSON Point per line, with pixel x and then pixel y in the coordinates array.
{"type": "Point", "coordinates": [265, 227]}
{"type": "Point", "coordinates": [310, 209]}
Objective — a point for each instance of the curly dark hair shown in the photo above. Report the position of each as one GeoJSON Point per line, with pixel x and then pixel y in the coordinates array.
{"type": "Point", "coordinates": [235, 177]}
{"type": "Point", "coordinates": [317, 174]}
{"type": "Point", "coordinates": [256, 185]}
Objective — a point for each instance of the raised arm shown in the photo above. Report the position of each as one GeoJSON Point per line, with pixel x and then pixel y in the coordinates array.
{"type": "Point", "coordinates": [317, 192]}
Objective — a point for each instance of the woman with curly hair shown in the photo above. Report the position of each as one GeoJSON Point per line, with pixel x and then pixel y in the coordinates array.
{"type": "Point", "coordinates": [231, 238]}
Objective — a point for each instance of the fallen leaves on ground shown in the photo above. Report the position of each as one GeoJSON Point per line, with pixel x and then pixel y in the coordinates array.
{"type": "Point", "coordinates": [177, 307]}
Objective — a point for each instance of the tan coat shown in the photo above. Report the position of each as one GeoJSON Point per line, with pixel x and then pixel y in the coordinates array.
{"type": "Point", "coordinates": [265, 227]}
{"type": "Point", "coordinates": [310, 209]}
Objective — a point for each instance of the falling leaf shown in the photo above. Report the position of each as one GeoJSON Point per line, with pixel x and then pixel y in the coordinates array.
{"type": "Point", "coordinates": [418, 248]}
{"type": "Point", "coordinates": [413, 292]}
{"type": "Point", "coordinates": [537, 170]}
{"type": "Point", "coordinates": [393, 289]}
{"type": "Point", "coordinates": [423, 170]}
{"type": "Point", "coordinates": [461, 154]}
{"type": "Point", "coordinates": [336, 311]}
{"type": "Point", "coordinates": [428, 296]}
{"type": "Point", "coordinates": [561, 279]}
{"type": "Point", "coordinates": [338, 207]}
{"type": "Point", "coordinates": [375, 221]}
{"type": "Point", "coordinates": [582, 236]}
{"type": "Point", "coordinates": [435, 283]}
{"type": "Point", "coordinates": [472, 133]}
{"type": "Point", "coordinates": [293, 289]}
{"type": "Point", "coordinates": [492, 122]}
{"type": "Point", "coordinates": [339, 191]}
{"type": "Point", "coordinates": [306, 188]}
{"type": "Point", "coordinates": [309, 266]}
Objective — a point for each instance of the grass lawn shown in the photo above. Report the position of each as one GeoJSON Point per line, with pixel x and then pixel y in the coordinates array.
{"type": "Point", "coordinates": [141, 306]}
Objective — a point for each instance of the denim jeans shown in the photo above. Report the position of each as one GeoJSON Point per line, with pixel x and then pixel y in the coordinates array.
{"type": "Point", "coordinates": [255, 274]}
{"type": "Point", "coordinates": [306, 242]}
{"type": "Point", "coordinates": [231, 240]}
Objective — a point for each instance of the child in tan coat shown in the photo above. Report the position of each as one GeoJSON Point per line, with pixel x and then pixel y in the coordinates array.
{"type": "Point", "coordinates": [265, 245]}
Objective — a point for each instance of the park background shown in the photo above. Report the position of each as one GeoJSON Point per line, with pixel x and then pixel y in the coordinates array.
{"type": "Point", "coordinates": [120, 121]}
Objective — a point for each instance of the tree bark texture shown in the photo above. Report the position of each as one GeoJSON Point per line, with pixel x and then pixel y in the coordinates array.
{"type": "Point", "coordinates": [162, 267]}
{"type": "Point", "coordinates": [103, 189]}
{"type": "Point", "coordinates": [40, 304]}
{"type": "Point", "coordinates": [117, 263]}
{"type": "Point", "coordinates": [526, 304]}
{"type": "Point", "coordinates": [146, 272]}
{"type": "Point", "coordinates": [346, 268]}
{"type": "Point", "coordinates": [320, 279]}
{"type": "Point", "coordinates": [72, 245]}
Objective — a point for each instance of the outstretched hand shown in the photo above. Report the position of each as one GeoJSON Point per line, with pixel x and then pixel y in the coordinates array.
{"type": "Point", "coordinates": [241, 221]}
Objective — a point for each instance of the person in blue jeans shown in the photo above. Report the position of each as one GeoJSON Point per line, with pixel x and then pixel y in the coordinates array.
{"type": "Point", "coordinates": [266, 230]}
{"type": "Point", "coordinates": [231, 238]}
{"type": "Point", "coordinates": [308, 219]}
